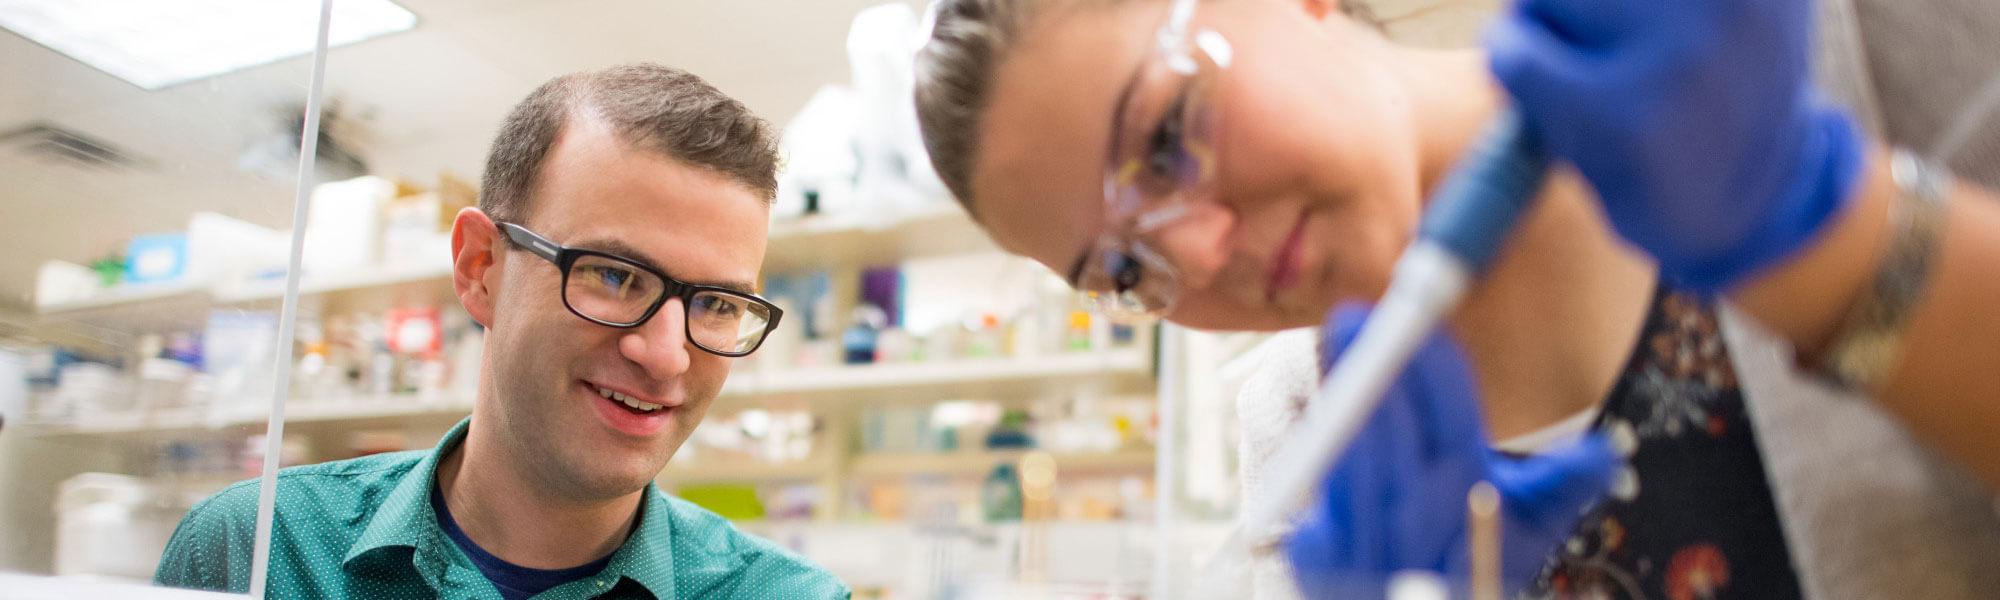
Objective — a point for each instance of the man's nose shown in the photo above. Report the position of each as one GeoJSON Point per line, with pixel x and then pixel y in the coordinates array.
{"type": "Point", "coordinates": [660, 345]}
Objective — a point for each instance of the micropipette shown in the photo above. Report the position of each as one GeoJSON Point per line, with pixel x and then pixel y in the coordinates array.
{"type": "Point", "coordinates": [1469, 217]}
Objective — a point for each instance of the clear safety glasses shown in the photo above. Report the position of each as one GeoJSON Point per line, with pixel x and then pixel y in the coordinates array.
{"type": "Point", "coordinates": [1162, 157]}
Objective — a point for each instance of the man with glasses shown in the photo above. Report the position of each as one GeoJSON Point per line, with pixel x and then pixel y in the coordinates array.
{"type": "Point", "coordinates": [613, 259]}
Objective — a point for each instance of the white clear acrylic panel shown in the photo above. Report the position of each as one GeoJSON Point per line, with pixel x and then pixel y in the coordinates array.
{"type": "Point", "coordinates": [150, 161]}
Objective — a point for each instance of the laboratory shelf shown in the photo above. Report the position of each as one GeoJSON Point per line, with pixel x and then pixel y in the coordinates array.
{"type": "Point", "coordinates": [345, 411]}
{"type": "Point", "coordinates": [973, 463]}
{"type": "Point", "coordinates": [729, 471]}
{"type": "Point", "coordinates": [360, 412]}
{"type": "Point", "coordinates": [132, 308]}
{"type": "Point", "coordinates": [67, 587]}
{"type": "Point", "coordinates": [186, 307]}
{"type": "Point", "coordinates": [162, 421]}
{"type": "Point", "coordinates": [126, 295]}
{"type": "Point", "coordinates": [1119, 370]}
{"type": "Point", "coordinates": [981, 463]}
{"type": "Point", "coordinates": [435, 269]}
{"type": "Point", "coordinates": [1067, 558]}
{"type": "Point", "coordinates": [936, 228]}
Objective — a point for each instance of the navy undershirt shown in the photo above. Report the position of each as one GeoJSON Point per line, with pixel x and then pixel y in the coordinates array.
{"type": "Point", "coordinates": [515, 582]}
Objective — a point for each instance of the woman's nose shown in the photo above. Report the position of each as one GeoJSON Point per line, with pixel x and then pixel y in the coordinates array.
{"type": "Point", "coordinates": [1196, 242]}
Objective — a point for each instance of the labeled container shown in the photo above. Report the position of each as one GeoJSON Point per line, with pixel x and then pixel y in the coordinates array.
{"type": "Point", "coordinates": [112, 526]}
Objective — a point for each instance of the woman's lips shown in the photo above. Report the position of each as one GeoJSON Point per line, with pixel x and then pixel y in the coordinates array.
{"type": "Point", "coordinates": [1285, 264]}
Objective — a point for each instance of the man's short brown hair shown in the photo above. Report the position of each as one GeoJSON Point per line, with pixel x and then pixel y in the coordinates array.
{"type": "Point", "coordinates": [654, 107]}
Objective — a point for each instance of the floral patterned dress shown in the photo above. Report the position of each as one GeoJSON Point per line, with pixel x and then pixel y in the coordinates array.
{"type": "Point", "coordinates": [1692, 517]}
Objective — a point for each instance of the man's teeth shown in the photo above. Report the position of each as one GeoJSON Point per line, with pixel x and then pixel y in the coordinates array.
{"type": "Point", "coordinates": [628, 400]}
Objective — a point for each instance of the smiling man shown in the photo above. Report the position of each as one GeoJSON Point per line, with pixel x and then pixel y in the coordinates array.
{"type": "Point", "coordinates": [612, 258]}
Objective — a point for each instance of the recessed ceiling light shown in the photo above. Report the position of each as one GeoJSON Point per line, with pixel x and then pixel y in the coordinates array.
{"type": "Point", "coordinates": [158, 43]}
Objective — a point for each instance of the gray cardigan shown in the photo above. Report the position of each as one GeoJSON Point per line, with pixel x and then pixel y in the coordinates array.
{"type": "Point", "coordinates": [1868, 511]}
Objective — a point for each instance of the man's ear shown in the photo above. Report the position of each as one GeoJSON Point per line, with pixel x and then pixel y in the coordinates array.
{"type": "Point", "coordinates": [475, 246]}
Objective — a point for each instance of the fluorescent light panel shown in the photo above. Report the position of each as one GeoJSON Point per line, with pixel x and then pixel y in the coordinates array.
{"type": "Point", "coordinates": [158, 43]}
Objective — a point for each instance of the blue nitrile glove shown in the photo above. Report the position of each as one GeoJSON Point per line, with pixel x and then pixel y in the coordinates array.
{"type": "Point", "coordinates": [1396, 499]}
{"type": "Point", "coordinates": [1695, 120]}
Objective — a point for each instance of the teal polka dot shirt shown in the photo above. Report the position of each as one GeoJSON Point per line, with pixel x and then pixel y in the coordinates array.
{"type": "Point", "coordinates": [364, 528]}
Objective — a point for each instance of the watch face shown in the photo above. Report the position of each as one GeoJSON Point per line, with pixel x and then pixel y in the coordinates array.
{"type": "Point", "coordinates": [1867, 346]}
{"type": "Point", "coordinates": [1861, 358]}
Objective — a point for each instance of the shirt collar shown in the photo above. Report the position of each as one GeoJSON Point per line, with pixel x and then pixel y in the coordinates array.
{"type": "Point", "coordinates": [406, 519]}
{"type": "Point", "coordinates": [647, 557]}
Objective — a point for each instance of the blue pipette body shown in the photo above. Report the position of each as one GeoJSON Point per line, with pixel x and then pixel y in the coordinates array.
{"type": "Point", "coordinates": [1469, 218]}
{"type": "Point", "coordinates": [1476, 207]}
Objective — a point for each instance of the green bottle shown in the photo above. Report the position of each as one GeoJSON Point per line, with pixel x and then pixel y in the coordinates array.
{"type": "Point", "coordinates": [1001, 496]}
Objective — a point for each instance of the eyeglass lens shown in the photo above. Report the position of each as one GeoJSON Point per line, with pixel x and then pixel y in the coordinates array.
{"type": "Point", "coordinates": [618, 293]}
{"type": "Point", "coordinates": [1163, 154]}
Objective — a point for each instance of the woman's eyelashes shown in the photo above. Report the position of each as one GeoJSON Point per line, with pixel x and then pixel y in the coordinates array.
{"type": "Point", "coordinates": [1167, 155]}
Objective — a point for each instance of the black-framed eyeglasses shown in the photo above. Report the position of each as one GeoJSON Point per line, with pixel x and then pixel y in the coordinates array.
{"type": "Point", "coordinates": [615, 291]}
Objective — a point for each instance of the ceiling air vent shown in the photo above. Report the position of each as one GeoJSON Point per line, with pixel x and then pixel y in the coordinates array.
{"type": "Point", "coordinates": [56, 145]}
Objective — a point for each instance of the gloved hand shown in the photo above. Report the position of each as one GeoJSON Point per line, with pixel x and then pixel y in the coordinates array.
{"type": "Point", "coordinates": [1695, 120]}
{"type": "Point", "coordinates": [1396, 499]}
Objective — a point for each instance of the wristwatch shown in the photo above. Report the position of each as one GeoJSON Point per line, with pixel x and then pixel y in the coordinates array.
{"type": "Point", "coordinates": [1869, 341]}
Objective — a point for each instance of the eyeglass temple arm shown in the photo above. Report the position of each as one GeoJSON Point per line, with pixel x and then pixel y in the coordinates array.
{"type": "Point", "coordinates": [534, 243]}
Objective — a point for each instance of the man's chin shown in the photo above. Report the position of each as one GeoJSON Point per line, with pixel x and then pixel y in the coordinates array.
{"type": "Point", "coordinates": [605, 486]}
{"type": "Point", "coordinates": [596, 475]}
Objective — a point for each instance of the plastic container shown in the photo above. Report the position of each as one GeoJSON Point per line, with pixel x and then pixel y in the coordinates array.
{"type": "Point", "coordinates": [112, 526]}
{"type": "Point", "coordinates": [91, 387]}
{"type": "Point", "coordinates": [858, 342]}
{"type": "Point", "coordinates": [1000, 496]}
{"type": "Point", "coordinates": [156, 259]}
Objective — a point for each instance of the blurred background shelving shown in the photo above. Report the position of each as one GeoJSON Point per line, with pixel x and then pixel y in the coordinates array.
{"type": "Point", "coordinates": [144, 236]}
{"type": "Point", "coordinates": [863, 456]}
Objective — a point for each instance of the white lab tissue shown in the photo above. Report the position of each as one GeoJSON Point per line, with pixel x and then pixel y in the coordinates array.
{"type": "Point", "coordinates": [858, 148]}
{"type": "Point", "coordinates": [881, 48]}
{"type": "Point", "coordinates": [819, 155]}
